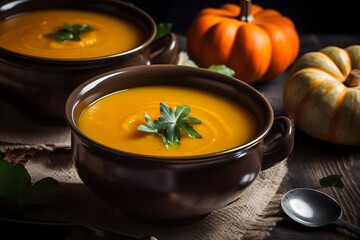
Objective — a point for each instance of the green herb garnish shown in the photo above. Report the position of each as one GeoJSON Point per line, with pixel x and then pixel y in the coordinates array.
{"type": "Point", "coordinates": [17, 191]}
{"type": "Point", "coordinates": [216, 68]}
{"type": "Point", "coordinates": [162, 29]}
{"type": "Point", "coordinates": [169, 124]}
{"type": "Point", "coordinates": [333, 180]}
{"type": "Point", "coordinates": [222, 69]}
{"type": "Point", "coordinates": [69, 32]}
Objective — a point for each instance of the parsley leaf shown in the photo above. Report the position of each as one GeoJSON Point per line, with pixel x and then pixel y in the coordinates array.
{"type": "Point", "coordinates": [17, 191]}
{"type": "Point", "coordinates": [69, 32]}
{"type": "Point", "coordinates": [222, 69]}
{"type": "Point", "coordinates": [216, 68]}
{"type": "Point", "coordinates": [170, 123]}
{"type": "Point", "coordinates": [162, 29]}
{"type": "Point", "coordinates": [333, 180]}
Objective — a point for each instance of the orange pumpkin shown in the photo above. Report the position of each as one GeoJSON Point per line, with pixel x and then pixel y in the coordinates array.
{"type": "Point", "coordinates": [258, 44]}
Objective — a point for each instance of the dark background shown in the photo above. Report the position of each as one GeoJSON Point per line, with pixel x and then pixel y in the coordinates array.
{"type": "Point", "coordinates": [309, 16]}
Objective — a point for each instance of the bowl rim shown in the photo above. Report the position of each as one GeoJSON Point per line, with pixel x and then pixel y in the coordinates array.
{"type": "Point", "coordinates": [121, 4]}
{"type": "Point", "coordinates": [72, 103]}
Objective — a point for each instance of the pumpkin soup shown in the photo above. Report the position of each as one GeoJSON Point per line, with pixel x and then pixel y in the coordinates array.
{"type": "Point", "coordinates": [114, 120]}
{"type": "Point", "coordinates": [96, 34]}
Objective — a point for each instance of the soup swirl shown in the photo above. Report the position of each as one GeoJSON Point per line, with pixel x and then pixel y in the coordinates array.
{"type": "Point", "coordinates": [27, 34]}
{"type": "Point", "coordinates": [113, 121]}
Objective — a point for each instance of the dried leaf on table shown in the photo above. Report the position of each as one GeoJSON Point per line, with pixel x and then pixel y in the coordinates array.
{"type": "Point", "coordinates": [18, 156]}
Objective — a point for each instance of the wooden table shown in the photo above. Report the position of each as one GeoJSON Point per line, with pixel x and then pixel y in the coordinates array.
{"type": "Point", "coordinates": [311, 160]}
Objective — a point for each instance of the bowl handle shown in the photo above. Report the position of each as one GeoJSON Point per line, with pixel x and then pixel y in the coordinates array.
{"type": "Point", "coordinates": [279, 142]}
{"type": "Point", "coordinates": [164, 50]}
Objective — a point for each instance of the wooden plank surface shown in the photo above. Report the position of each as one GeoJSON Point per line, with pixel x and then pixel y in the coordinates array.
{"type": "Point", "coordinates": [313, 159]}
{"type": "Point", "coordinates": [310, 161]}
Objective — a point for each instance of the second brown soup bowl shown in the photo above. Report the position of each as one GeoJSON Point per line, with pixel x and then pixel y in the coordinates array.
{"type": "Point", "coordinates": [175, 189]}
{"type": "Point", "coordinates": [40, 85]}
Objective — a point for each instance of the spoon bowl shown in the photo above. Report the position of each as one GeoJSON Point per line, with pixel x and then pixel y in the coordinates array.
{"type": "Point", "coordinates": [314, 209]}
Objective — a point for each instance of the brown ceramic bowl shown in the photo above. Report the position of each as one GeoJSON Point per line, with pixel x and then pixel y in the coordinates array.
{"type": "Point", "coordinates": [43, 84]}
{"type": "Point", "coordinates": [175, 189]}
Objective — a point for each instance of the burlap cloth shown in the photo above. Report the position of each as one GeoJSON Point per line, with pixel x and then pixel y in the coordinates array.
{"type": "Point", "coordinates": [252, 216]}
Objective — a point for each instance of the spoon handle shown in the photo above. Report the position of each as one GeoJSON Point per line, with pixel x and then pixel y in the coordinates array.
{"type": "Point", "coordinates": [348, 226]}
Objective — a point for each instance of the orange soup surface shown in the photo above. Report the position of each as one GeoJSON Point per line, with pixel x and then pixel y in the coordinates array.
{"type": "Point", "coordinates": [113, 121]}
{"type": "Point", "coordinates": [26, 34]}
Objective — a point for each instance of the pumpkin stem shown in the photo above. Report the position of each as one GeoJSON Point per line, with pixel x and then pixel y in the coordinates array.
{"type": "Point", "coordinates": [353, 79]}
{"type": "Point", "coordinates": [245, 11]}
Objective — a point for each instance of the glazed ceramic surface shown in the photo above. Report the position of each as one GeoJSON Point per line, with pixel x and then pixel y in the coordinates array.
{"type": "Point", "coordinates": [175, 189]}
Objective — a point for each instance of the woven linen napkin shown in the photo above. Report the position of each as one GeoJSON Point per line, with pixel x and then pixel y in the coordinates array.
{"type": "Point", "coordinates": [19, 132]}
{"type": "Point", "coordinates": [252, 216]}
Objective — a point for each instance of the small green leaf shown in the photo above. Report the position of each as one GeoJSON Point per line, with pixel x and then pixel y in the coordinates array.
{"type": "Point", "coordinates": [43, 192]}
{"type": "Point", "coordinates": [162, 30]}
{"type": "Point", "coordinates": [222, 69]}
{"type": "Point", "coordinates": [150, 127]}
{"type": "Point", "coordinates": [14, 181]}
{"type": "Point", "coordinates": [16, 190]}
{"type": "Point", "coordinates": [192, 63]}
{"type": "Point", "coordinates": [170, 123]}
{"type": "Point", "coordinates": [189, 130]}
{"type": "Point", "coordinates": [69, 32]}
{"type": "Point", "coordinates": [333, 180]}
{"type": "Point", "coordinates": [216, 68]}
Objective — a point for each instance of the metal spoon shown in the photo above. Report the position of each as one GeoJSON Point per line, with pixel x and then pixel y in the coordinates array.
{"type": "Point", "coordinates": [315, 209]}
